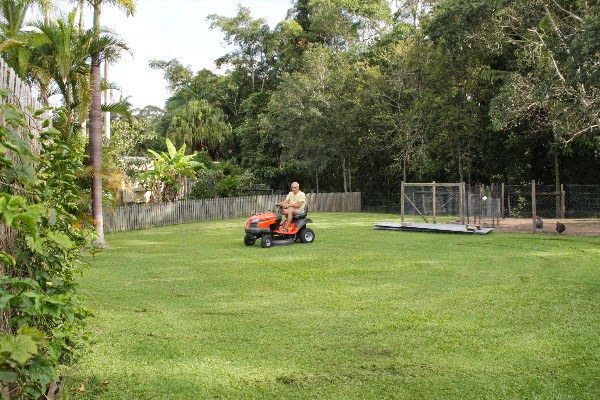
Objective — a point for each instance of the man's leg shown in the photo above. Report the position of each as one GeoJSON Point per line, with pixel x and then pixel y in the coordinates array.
{"type": "Point", "coordinates": [285, 212]}
{"type": "Point", "coordinates": [289, 215]}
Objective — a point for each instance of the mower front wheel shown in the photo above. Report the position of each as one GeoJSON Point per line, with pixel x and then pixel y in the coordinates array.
{"type": "Point", "coordinates": [249, 240]}
{"type": "Point", "coordinates": [306, 235]}
{"type": "Point", "coordinates": [266, 242]}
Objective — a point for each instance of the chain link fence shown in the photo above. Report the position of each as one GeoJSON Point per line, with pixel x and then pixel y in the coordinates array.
{"type": "Point", "coordinates": [570, 201]}
{"type": "Point", "coordinates": [489, 203]}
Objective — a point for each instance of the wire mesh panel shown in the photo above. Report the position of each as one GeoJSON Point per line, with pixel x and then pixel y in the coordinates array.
{"type": "Point", "coordinates": [569, 201]}
{"type": "Point", "coordinates": [549, 201]}
{"type": "Point", "coordinates": [582, 201]}
{"type": "Point", "coordinates": [432, 200]}
{"type": "Point", "coordinates": [489, 203]}
{"type": "Point", "coordinates": [517, 201]}
{"type": "Point", "coordinates": [377, 202]}
{"type": "Point", "coordinates": [483, 204]}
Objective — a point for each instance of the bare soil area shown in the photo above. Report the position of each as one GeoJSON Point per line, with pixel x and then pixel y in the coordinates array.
{"type": "Point", "coordinates": [575, 227]}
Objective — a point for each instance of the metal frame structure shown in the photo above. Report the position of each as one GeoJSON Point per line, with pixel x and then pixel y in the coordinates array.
{"type": "Point", "coordinates": [433, 185]}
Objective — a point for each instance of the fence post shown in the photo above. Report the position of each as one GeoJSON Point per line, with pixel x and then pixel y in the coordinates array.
{"type": "Point", "coordinates": [434, 203]}
{"type": "Point", "coordinates": [402, 202]}
{"type": "Point", "coordinates": [462, 202]}
{"type": "Point", "coordinates": [562, 201]}
{"type": "Point", "coordinates": [496, 203]}
{"type": "Point", "coordinates": [533, 204]}
{"type": "Point", "coordinates": [502, 200]}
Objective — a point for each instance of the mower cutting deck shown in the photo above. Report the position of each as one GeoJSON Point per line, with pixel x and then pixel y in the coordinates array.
{"type": "Point", "coordinates": [267, 227]}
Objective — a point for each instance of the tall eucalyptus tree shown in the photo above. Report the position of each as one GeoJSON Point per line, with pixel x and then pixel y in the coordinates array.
{"type": "Point", "coordinates": [320, 113]}
{"type": "Point", "coordinates": [251, 37]}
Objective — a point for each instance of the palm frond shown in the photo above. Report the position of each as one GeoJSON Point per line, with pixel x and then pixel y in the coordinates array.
{"type": "Point", "coordinates": [121, 108]}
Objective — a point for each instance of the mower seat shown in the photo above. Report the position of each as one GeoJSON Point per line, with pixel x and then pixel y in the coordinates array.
{"type": "Point", "coordinates": [297, 217]}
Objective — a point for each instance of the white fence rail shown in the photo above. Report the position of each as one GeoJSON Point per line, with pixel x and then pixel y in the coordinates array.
{"type": "Point", "coordinates": [142, 216]}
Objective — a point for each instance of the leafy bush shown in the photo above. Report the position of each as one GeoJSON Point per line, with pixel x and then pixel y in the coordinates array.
{"type": "Point", "coordinates": [202, 190]}
{"type": "Point", "coordinates": [221, 180]}
{"type": "Point", "coordinates": [233, 186]}
{"type": "Point", "coordinates": [41, 324]}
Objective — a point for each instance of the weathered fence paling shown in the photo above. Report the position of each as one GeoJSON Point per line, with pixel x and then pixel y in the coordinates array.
{"type": "Point", "coordinates": [22, 96]}
{"type": "Point", "coordinates": [142, 216]}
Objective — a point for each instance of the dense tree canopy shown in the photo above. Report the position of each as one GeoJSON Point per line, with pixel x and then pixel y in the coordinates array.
{"type": "Point", "coordinates": [359, 95]}
{"type": "Point", "coordinates": [347, 95]}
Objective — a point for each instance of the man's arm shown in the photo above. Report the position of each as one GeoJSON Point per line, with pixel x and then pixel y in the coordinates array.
{"type": "Point", "coordinates": [284, 202]}
{"type": "Point", "coordinates": [297, 204]}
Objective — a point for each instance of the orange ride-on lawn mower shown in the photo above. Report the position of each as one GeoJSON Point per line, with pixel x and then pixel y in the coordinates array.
{"type": "Point", "coordinates": [267, 227]}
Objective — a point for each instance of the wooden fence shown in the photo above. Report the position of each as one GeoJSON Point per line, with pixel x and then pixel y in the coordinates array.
{"type": "Point", "coordinates": [24, 98]}
{"type": "Point", "coordinates": [142, 216]}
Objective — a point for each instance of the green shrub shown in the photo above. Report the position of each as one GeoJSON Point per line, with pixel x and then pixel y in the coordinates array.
{"type": "Point", "coordinates": [222, 180]}
{"type": "Point", "coordinates": [201, 190]}
{"type": "Point", "coordinates": [234, 186]}
{"type": "Point", "coordinates": [41, 324]}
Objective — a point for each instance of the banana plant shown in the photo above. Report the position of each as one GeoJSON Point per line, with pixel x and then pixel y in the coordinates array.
{"type": "Point", "coordinates": [168, 172]}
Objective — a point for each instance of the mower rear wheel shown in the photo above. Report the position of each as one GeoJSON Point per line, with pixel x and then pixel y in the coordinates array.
{"type": "Point", "coordinates": [249, 240]}
{"type": "Point", "coordinates": [306, 235]}
{"type": "Point", "coordinates": [266, 242]}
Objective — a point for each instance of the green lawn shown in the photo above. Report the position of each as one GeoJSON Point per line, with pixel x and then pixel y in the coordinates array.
{"type": "Point", "coordinates": [189, 312]}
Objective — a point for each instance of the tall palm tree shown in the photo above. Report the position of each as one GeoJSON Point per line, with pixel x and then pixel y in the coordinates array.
{"type": "Point", "coordinates": [64, 57]}
{"type": "Point", "coordinates": [199, 126]}
{"type": "Point", "coordinates": [110, 56]}
{"type": "Point", "coordinates": [12, 22]}
{"type": "Point", "coordinates": [12, 17]}
{"type": "Point", "coordinates": [96, 117]}
{"type": "Point", "coordinates": [13, 12]}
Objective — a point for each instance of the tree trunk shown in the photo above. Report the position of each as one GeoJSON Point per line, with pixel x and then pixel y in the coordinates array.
{"type": "Point", "coordinates": [81, 21]}
{"type": "Point", "coordinates": [96, 149]}
{"type": "Point", "coordinates": [96, 136]}
{"type": "Point", "coordinates": [460, 168]}
{"type": "Point", "coordinates": [344, 175]}
{"type": "Point", "coordinates": [404, 167]}
{"type": "Point", "coordinates": [107, 99]}
{"type": "Point", "coordinates": [557, 189]}
{"type": "Point", "coordinates": [349, 179]}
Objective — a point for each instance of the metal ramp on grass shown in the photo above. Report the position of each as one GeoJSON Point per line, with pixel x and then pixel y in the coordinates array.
{"type": "Point", "coordinates": [444, 228]}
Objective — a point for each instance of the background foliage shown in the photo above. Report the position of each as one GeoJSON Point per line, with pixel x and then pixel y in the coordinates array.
{"type": "Point", "coordinates": [351, 95]}
{"type": "Point", "coordinates": [357, 95]}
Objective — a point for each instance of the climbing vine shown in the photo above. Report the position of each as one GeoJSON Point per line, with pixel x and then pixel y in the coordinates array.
{"type": "Point", "coordinates": [41, 320]}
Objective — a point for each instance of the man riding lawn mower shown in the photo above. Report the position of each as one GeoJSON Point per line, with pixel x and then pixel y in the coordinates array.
{"type": "Point", "coordinates": [268, 228]}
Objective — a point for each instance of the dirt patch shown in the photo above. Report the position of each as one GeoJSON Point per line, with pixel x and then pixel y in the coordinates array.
{"type": "Point", "coordinates": [575, 227]}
